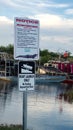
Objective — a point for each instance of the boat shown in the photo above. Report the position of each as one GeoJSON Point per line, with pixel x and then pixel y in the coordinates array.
{"type": "Point", "coordinates": [68, 81]}
{"type": "Point", "coordinates": [8, 69]}
{"type": "Point", "coordinates": [49, 75]}
{"type": "Point", "coordinates": [9, 78]}
{"type": "Point", "coordinates": [46, 78]}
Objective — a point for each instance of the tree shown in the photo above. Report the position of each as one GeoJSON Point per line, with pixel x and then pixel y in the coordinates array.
{"type": "Point", "coordinates": [44, 52]}
{"type": "Point", "coordinates": [2, 49]}
{"type": "Point", "coordinates": [9, 49]}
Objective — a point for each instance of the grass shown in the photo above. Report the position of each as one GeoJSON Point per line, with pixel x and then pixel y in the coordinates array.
{"type": "Point", "coordinates": [10, 127]}
{"type": "Point", "coordinates": [69, 96]}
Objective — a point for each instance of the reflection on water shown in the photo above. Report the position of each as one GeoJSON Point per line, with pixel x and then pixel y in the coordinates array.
{"type": "Point", "coordinates": [45, 110]}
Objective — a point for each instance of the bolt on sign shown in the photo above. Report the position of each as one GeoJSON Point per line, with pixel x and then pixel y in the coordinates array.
{"type": "Point", "coordinates": [26, 39]}
{"type": "Point", "coordinates": [26, 75]}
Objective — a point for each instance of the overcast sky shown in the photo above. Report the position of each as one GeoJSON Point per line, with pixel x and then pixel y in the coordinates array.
{"type": "Point", "coordinates": [56, 22]}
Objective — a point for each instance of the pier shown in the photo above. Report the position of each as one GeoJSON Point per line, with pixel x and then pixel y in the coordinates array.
{"type": "Point", "coordinates": [8, 66]}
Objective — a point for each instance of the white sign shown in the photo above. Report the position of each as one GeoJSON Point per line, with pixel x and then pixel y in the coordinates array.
{"type": "Point", "coordinates": [26, 75]}
{"type": "Point", "coordinates": [26, 82]}
{"type": "Point", "coordinates": [26, 43]}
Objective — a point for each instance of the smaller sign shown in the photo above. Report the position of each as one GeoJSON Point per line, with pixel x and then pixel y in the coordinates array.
{"type": "Point", "coordinates": [26, 75]}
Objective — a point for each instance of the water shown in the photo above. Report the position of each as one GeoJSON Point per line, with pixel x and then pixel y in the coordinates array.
{"type": "Point", "coordinates": [44, 110]}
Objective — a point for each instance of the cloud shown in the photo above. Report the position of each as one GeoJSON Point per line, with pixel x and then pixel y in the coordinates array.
{"type": "Point", "coordinates": [5, 20]}
{"type": "Point", "coordinates": [35, 3]}
{"type": "Point", "coordinates": [54, 43]}
{"type": "Point", "coordinates": [55, 32]}
{"type": "Point", "coordinates": [54, 21]}
{"type": "Point", "coordinates": [14, 3]}
{"type": "Point", "coordinates": [6, 31]}
{"type": "Point", "coordinates": [53, 5]}
{"type": "Point", "coordinates": [69, 11]}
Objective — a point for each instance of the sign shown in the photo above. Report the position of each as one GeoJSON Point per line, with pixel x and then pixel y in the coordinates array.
{"type": "Point", "coordinates": [26, 43]}
{"type": "Point", "coordinates": [26, 75]}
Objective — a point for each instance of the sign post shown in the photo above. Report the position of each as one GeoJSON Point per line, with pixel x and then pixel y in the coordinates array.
{"type": "Point", "coordinates": [25, 110]}
{"type": "Point", "coordinates": [26, 50]}
{"type": "Point", "coordinates": [26, 82]}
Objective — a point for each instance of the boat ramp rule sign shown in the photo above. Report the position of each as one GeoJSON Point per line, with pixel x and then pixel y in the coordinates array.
{"type": "Point", "coordinates": [26, 75]}
{"type": "Point", "coordinates": [26, 39]}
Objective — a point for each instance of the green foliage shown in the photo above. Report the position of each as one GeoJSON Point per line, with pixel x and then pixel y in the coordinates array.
{"type": "Point", "coordinates": [2, 49]}
{"type": "Point", "coordinates": [45, 55]}
{"type": "Point", "coordinates": [53, 54]}
{"type": "Point", "coordinates": [8, 49]}
{"type": "Point", "coordinates": [43, 60]}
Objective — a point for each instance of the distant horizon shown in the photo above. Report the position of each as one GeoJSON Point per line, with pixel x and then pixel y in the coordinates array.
{"type": "Point", "coordinates": [61, 52]}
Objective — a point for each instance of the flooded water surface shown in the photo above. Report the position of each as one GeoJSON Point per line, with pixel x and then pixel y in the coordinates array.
{"type": "Point", "coordinates": [45, 109]}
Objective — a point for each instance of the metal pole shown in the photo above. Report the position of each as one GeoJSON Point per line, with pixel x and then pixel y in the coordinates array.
{"type": "Point", "coordinates": [25, 110]}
